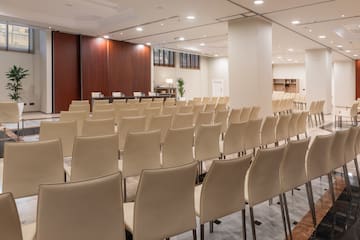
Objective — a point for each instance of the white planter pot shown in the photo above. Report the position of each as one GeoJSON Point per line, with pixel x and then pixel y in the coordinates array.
{"type": "Point", "coordinates": [21, 108]}
{"type": "Point", "coordinates": [182, 99]}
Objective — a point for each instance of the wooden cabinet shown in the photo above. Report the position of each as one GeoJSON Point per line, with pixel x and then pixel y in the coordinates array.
{"type": "Point", "coordinates": [286, 85]}
{"type": "Point", "coordinates": [166, 91]}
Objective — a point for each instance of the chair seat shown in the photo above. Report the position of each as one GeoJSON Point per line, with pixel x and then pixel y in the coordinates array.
{"type": "Point", "coordinates": [29, 231]}
{"type": "Point", "coordinates": [129, 216]}
{"type": "Point", "coordinates": [197, 196]}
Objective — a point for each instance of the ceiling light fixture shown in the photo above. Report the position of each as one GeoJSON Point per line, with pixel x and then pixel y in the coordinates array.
{"type": "Point", "coordinates": [355, 55]}
{"type": "Point", "coordinates": [161, 24]}
{"type": "Point", "coordinates": [216, 55]}
{"type": "Point", "coordinates": [290, 50]}
{"type": "Point", "coordinates": [148, 43]}
{"type": "Point", "coordinates": [339, 46]}
{"type": "Point", "coordinates": [258, 2]}
{"type": "Point", "coordinates": [106, 36]}
{"type": "Point", "coordinates": [343, 15]}
{"type": "Point", "coordinates": [289, 59]}
{"type": "Point", "coordinates": [181, 38]}
{"type": "Point", "coordinates": [295, 22]}
{"type": "Point", "coordinates": [190, 17]}
{"type": "Point", "coordinates": [202, 44]}
{"type": "Point", "coordinates": [310, 30]}
{"type": "Point", "coordinates": [139, 29]}
{"type": "Point", "coordinates": [348, 51]}
{"type": "Point", "coordinates": [322, 36]}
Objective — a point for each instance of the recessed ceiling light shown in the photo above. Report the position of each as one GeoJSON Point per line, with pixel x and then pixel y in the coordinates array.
{"type": "Point", "coordinates": [181, 38]}
{"type": "Point", "coordinates": [161, 24]}
{"type": "Point", "coordinates": [348, 51]}
{"type": "Point", "coordinates": [322, 36]}
{"type": "Point", "coordinates": [190, 17]}
{"type": "Point", "coordinates": [106, 36]}
{"type": "Point", "coordinates": [148, 43]}
{"type": "Point", "coordinates": [279, 57]}
{"type": "Point", "coordinates": [216, 55]}
{"type": "Point", "coordinates": [355, 55]}
{"type": "Point", "coordinates": [290, 50]}
{"type": "Point", "coordinates": [49, 27]}
{"type": "Point", "coordinates": [202, 44]}
{"type": "Point", "coordinates": [339, 46]}
{"type": "Point", "coordinates": [139, 29]}
{"type": "Point", "coordinates": [121, 33]}
{"type": "Point", "coordinates": [332, 42]}
{"type": "Point", "coordinates": [295, 22]}
{"type": "Point", "coordinates": [258, 2]}
{"type": "Point", "coordinates": [289, 59]}
{"type": "Point", "coordinates": [140, 45]}
{"type": "Point", "coordinates": [343, 15]}
{"type": "Point", "coordinates": [310, 30]}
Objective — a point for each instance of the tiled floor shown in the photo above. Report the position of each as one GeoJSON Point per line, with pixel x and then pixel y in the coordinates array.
{"type": "Point", "coordinates": [268, 217]}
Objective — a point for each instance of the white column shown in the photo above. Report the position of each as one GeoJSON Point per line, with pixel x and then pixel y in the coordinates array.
{"type": "Point", "coordinates": [46, 71]}
{"type": "Point", "coordinates": [344, 83]}
{"type": "Point", "coordinates": [318, 67]}
{"type": "Point", "coordinates": [250, 64]}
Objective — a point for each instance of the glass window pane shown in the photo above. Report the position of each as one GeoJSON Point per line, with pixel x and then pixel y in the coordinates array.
{"type": "Point", "coordinates": [166, 57]}
{"type": "Point", "coordinates": [18, 37]}
{"type": "Point", "coordinates": [2, 35]}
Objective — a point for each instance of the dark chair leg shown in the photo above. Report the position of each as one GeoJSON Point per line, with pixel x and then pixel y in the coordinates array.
{"type": "Point", "coordinates": [283, 215]}
{"type": "Point", "coordinates": [243, 223]}
{"type": "Point", "coordinates": [125, 190]}
{"type": "Point", "coordinates": [287, 215]}
{"type": "Point", "coordinates": [357, 169]}
{"type": "Point", "coordinates": [202, 232]}
{"type": "Point", "coordinates": [194, 234]}
{"type": "Point", "coordinates": [252, 223]}
{"type": "Point", "coordinates": [311, 203]}
{"type": "Point", "coordinates": [331, 188]}
{"type": "Point", "coordinates": [347, 180]}
{"type": "Point", "coordinates": [211, 228]}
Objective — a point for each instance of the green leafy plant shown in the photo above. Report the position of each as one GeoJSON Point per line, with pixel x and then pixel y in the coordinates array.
{"type": "Point", "coordinates": [15, 75]}
{"type": "Point", "coordinates": [181, 89]}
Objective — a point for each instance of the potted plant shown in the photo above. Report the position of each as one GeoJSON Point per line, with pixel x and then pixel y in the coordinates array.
{"type": "Point", "coordinates": [15, 75]}
{"type": "Point", "coordinates": [181, 89]}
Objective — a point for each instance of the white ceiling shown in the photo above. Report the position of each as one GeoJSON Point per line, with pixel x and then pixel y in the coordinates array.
{"type": "Point", "coordinates": [164, 21]}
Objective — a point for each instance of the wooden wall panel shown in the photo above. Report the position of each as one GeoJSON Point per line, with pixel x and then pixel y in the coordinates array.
{"type": "Point", "coordinates": [357, 68]}
{"type": "Point", "coordinates": [66, 72]}
{"type": "Point", "coordinates": [94, 66]}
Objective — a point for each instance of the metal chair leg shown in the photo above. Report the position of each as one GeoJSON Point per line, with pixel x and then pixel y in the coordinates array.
{"type": "Point", "coordinates": [357, 169]}
{"type": "Point", "coordinates": [283, 215]}
{"type": "Point", "coordinates": [287, 215]}
{"type": "Point", "coordinates": [347, 180]}
{"type": "Point", "coordinates": [243, 223]}
{"type": "Point", "coordinates": [331, 188]}
{"type": "Point", "coordinates": [311, 203]}
{"type": "Point", "coordinates": [202, 232]}
{"type": "Point", "coordinates": [252, 223]}
{"type": "Point", "coordinates": [211, 228]}
{"type": "Point", "coordinates": [194, 234]}
{"type": "Point", "coordinates": [125, 190]}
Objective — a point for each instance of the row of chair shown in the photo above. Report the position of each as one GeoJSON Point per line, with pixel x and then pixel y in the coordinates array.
{"type": "Point", "coordinates": [316, 111]}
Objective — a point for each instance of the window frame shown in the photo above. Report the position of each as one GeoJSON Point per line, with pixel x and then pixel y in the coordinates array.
{"type": "Point", "coordinates": [30, 36]}
{"type": "Point", "coordinates": [167, 57]}
{"type": "Point", "coordinates": [189, 61]}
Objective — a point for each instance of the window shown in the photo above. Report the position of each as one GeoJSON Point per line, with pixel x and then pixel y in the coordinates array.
{"type": "Point", "coordinates": [16, 38]}
{"type": "Point", "coordinates": [164, 57]}
{"type": "Point", "coordinates": [190, 61]}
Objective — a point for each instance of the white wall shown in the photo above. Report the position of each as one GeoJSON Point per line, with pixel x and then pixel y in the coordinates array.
{"type": "Point", "coordinates": [196, 81]}
{"type": "Point", "coordinates": [344, 83]}
{"type": "Point", "coordinates": [295, 71]}
{"type": "Point", "coordinates": [219, 72]}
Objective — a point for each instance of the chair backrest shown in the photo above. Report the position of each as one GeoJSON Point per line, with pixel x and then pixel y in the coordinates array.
{"type": "Point", "coordinates": [181, 103]}
{"type": "Point", "coordinates": [252, 134]}
{"type": "Point", "coordinates": [103, 106]}
{"type": "Point", "coordinates": [10, 227]}
{"type": "Point", "coordinates": [292, 168]}
{"type": "Point", "coordinates": [207, 142]}
{"type": "Point", "coordinates": [302, 121]}
{"type": "Point", "coordinates": [234, 138]}
{"type": "Point", "coordinates": [282, 127]}
{"type": "Point", "coordinates": [138, 94]}
{"type": "Point", "coordinates": [293, 124]}
{"type": "Point", "coordinates": [338, 149]}
{"type": "Point", "coordinates": [178, 147]}
{"type": "Point", "coordinates": [156, 104]}
{"type": "Point", "coordinates": [98, 127]}
{"type": "Point", "coordinates": [120, 114]}
{"type": "Point", "coordinates": [220, 107]}
{"type": "Point", "coordinates": [312, 108]}
{"type": "Point", "coordinates": [234, 116]}
{"type": "Point", "coordinates": [245, 114]}
{"type": "Point", "coordinates": [80, 102]}
{"type": "Point", "coordinates": [350, 145]}
{"type": "Point", "coordinates": [65, 131]}
{"type": "Point", "coordinates": [354, 109]}
{"type": "Point", "coordinates": [162, 122]}
{"type": "Point", "coordinates": [94, 157]}
{"type": "Point", "coordinates": [182, 120]}
{"type": "Point", "coordinates": [267, 135]}
{"type": "Point", "coordinates": [185, 109]}
{"type": "Point", "coordinates": [78, 116]}
{"type": "Point", "coordinates": [28, 164]}
{"type": "Point", "coordinates": [136, 160]}
{"type": "Point", "coordinates": [221, 117]}
{"type": "Point", "coordinates": [210, 107]}
{"type": "Point", "coordinates": [100, 101]}
{"type": "Point", "coordinates": [197, 108]}
{"type": "Point", "coordinates": [79, 107]}
{"type": "Point", "coordinates": [172, 202]}
{"type": "Point", "coordinates": [150, 112]}
{"type": "Point", "coordinates": [254, 114]}
{"type": "Point", "coordinates": [132, 100]}
{"type": "Point", "coordinates": [117, 94]}
{"type": "Point", "coordinates": [9, 112]}
{"type": "Point", "coordinates": [222, 191]}
{"type": "Point", "coordinates": [262, 179]}
{"type": "Point", "coordinates": [169, 110]}
{"type": "Point", "coordinates": [203, 118]}
{"type": "Point", "coordinates": [128, 125]}
{"type": "Point", "coordinates": [318, 157]}
{"type": "Point", "coordinates": [103, 114]}
{"type": "Point", "coordinates": [84, 210]}
{"type": "Point", "coordinates": [146, 100]}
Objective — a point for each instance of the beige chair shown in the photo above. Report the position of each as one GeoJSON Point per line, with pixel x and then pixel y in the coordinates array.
{"type": "Point", "coordinates": [350, 149]}
{"type": "Point", "coordinates": [78, 116]}
{"type": "Point", "coordinates": [262, 180]}
{"type": "Point", "coordinates": [351, 113]}
{"type": "Point", "coordinates": [80, 102]}
{"type": "Point", "coordinates": [221, 117]}
{"type": "Point", "coordinates": [234, 116]}
{"type": "Point", "coordinates": [267, 135]}
{"type": "Point", "coordinates": [293, 124]}
{"type": "Point", "coordinates": [9, 113]}
{"type": "Point", "coordinates": [209, 107]}
{"type": "Point", "coordinates": [146, 100]}
{"type": "Point", "coordinates": [170, 102]}
{"type": "Point", "coordinates": [182, 120]}
{"type": "Point", "coordinates": [185, 109]}
{"type": "Point", "coordinates": [10, 228]}
{"type": "Point", "coordinates": [79, 107]}
{"type": "Point", "coordinates": [252, 135]}
{"type": "Point", "coordinates": [245, 114]}
{"type": "Point", "coordinates": [156, 104]}
{"type": "Point", "coordinates": [169, 110]}
{"type": "Point", "coordinates": [100, 101]}
{"type": "Point", "coordinates": [207, 144]}
{"type": "Point", "coordinates": [203, 118]}
{"type": "Point", "coordinates": [65, 131]}
{"type": "Point", "coordinates": [302, 124]}
{"type": "Point", "coordinates": [28, 164]}
{"type": "Point", "coordinates": [103, 114]}
{"type": "Point", "coordinates": [317, 162]}
{"type": "Point", "coordinates": [178, 147]}
{"type": "Point", "coordinates": [293, 172]}
{"type": "Point", "coordinates": [163, 123]}
{"type": "Point", "coordinates": [254, 114]}
{"type": "Point", "coordinates": [181, 103]}
{"type": "Point", "coordinates": [149, 113]}
{"type": "Point", "coordinates": [131, 112]}
{"type": "Point", "coordinates": [220, 107]}
{"type": "Point", "coordinates": [282, 128]}
{"type": "Point", "coordinates": [84, 210]}
{"type": "Point", "coordinates": [222, 192]}
{"type": "Point", "coordinates": [132, 100]}
{"type": "Point", "coordinates": [127, 125]}
{"type": "Point", "coordinates": [103, 106]}
{"type": "Point", "coordinates": [163, 207]}
{"type": "Point", "coordinates": [141, 107]}
{"type": "Point", "coordinates": [197, 108]}
{"type": "Point", "coordinates": [98, 127]}
{"type": "Point", "coordinates": [94, 157]}
{"type": "Point", "coordinates": [234, 139]}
